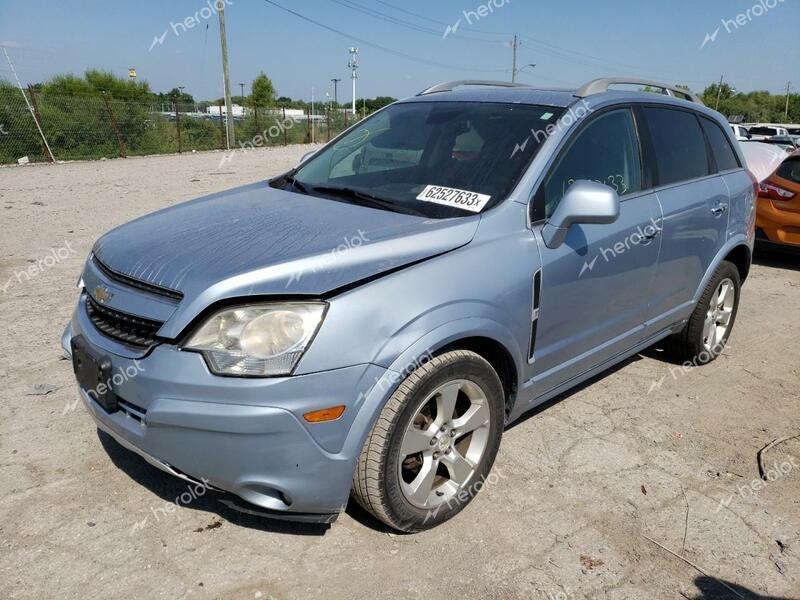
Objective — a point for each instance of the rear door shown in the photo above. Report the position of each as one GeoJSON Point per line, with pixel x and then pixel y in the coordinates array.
{"type": "Point", "coordinates": [594, 287]}
{"type": "Point", "coordinates": [694, 203]}
{"type": "Point", "coordinates": [725, 162]}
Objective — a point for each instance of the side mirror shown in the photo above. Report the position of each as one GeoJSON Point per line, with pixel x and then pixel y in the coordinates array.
{"type": "Point", "coordinates": [306, 156]}
{"type": "Point", "coordinates": [585, 202]}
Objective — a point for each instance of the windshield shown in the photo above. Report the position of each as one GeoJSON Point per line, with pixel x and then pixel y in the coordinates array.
{"type": "Point", "coordinates": [437, 159]}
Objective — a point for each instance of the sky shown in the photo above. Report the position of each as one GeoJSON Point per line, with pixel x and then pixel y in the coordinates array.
{"type": "Point", "coordinates": [402, 43]}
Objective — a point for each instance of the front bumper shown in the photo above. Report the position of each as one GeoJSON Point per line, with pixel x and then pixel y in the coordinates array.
{"type": "Point", "coordinates": [244, 436]}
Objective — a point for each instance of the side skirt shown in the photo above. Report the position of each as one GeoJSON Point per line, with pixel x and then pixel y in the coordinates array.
{"type": "Point", "coordinates": [523, 407]}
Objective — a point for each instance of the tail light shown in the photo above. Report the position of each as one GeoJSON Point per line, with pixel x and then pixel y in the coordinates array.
{"type": "Point", "coordinates": [774, 192]}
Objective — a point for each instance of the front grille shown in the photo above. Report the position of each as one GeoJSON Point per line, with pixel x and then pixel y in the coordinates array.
{"type": "Point", "coordinates": [136, 283]}
{"type": "Point", "coordinates": [122, 327]}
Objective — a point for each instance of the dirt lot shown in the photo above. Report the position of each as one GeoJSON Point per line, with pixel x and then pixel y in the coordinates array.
{"type": "Point", "coordinates": [648, 450]}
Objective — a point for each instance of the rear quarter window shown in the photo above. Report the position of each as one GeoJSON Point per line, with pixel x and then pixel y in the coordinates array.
{"type": "Point", "coordinates": [721, 148]}
{"type": "Point", "coordinates": [790, 170]}
{"type": "Point", "coordinates": [679, 145]}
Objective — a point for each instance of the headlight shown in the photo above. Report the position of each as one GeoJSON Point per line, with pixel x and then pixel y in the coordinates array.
{"type": "Point", "coordinates": [258, 340]}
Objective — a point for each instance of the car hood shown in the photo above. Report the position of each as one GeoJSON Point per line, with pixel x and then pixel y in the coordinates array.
{"type": "Point", "coordinates": [256, 240]}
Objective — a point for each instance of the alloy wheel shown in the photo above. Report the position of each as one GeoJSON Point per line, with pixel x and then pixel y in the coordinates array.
{"type": "Point", "coordinates": [718, 316]}
{"type": "Point", "coordinates": [444, 442]}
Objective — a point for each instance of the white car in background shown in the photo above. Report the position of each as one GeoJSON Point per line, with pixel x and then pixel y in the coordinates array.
{"type": "Point", "coordinates": [762, 132]}
{"type": "Point", "coordinates": [740, 132]}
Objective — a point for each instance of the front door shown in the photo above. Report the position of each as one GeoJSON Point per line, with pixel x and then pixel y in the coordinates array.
{"type": "Point", "coordinates": [595, 287]}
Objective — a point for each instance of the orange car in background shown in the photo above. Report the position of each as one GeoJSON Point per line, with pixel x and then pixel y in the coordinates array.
{"type": "Point", "coordinates": [778, 207]}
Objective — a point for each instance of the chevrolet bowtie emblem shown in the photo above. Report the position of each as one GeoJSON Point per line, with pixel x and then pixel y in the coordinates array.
{"type": "Point", "coordinates": [102, 294]}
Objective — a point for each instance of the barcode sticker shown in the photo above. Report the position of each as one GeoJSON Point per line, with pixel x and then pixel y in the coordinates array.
{"type": "Point", "coordinates": [471, 201]}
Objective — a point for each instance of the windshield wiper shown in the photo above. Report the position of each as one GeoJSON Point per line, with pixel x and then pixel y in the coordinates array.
{"type": "Point", "coordinates": [365, 199]}
{"type": "Point", "coordinates": [301, 187]}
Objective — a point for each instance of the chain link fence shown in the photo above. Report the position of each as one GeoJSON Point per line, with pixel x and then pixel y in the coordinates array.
{"type": "Point", "coordinates": [97, 126]}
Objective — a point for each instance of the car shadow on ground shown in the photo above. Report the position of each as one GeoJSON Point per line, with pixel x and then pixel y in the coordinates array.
{"type": "Point", "coordinates": [712, 588]}
{"type": "Point", "coordinates": [170, 490]}
{"type": "Point", "coordinates": [777, 257]}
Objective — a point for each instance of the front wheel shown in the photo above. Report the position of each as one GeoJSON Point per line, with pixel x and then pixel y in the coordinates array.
{"type": "Point", "coordinates": [434, 443]}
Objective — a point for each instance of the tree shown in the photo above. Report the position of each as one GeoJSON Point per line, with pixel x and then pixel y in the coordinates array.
{"type": "Point", "coordinates": [262, 92]}
{"type": "Point", "coordinates": [378, 103]}
{"type": "Point", "coordinates": [183, 97]}
{"type": "Point", "coordinates": [98, 81]}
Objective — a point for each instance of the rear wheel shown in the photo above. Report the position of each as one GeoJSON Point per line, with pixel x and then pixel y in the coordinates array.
{"type": "Point", "coordinates": [705, 335]}
{"type": "Point", "coordinates": [432, 447]}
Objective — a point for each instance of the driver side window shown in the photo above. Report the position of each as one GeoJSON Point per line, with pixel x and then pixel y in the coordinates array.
{"type": "Point", "coordinates": [605, 151]}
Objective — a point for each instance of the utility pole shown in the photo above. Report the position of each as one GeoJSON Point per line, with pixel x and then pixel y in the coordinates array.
{"type": "Point", "coordinates": [514, 46]}
{"type": "Point", "coordinates": [30, 108]}
{"type": "Point", "coordinates": [225, 75]}
{"type": "Point", "coordinates": [786, 112]}
{"type": "Point", "coordinates": [312, 114]}
{"type": "Point", "coordinates": [241, 85]}
{"type": "Point", "coordinates": [353, 65]}
{"type": "Point", "coordinates": [719, 91]}
{"type": "Point", "coordinates": [336, 91]}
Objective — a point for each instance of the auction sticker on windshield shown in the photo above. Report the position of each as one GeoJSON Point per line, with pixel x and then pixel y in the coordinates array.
{"type": "Point", "coordinates": [471, 201]}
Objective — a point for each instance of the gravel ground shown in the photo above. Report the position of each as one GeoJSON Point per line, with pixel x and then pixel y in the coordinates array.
{"type": "Point", "coordinates": [647, 450]}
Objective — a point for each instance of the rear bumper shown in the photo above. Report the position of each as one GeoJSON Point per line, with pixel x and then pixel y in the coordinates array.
{"type": "Point", "coordinates": [244, 436]}
{"type": "Point", "coordinates": [778, 226]}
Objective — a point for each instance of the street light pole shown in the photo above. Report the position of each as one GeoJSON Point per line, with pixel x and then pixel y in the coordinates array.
{"type": "Point", "coordinates": [353, 64]}
{"type": "Point", "coordinates": [532, 65]}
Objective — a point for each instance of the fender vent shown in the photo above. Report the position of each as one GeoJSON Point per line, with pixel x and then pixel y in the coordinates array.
{"type": "Point", "coordinates": [537, 294]}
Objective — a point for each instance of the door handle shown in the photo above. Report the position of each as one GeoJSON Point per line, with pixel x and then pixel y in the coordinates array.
{"type": "Point", "coordinates": [719, 209]}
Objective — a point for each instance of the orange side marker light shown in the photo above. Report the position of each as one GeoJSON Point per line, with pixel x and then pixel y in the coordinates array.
{"type": "Point", "coordinates": [324, 414]}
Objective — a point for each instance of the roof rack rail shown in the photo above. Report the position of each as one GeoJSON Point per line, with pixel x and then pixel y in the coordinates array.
{"type": "Point", "coordinates": [451, 85]}
{"type": "Point", "coordinates": [598, 86]}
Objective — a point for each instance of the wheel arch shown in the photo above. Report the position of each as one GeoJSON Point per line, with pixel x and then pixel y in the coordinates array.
{"type": "Point", "coordinates": [486, 337]}
{"type": "Point", "coordinates": [497, 355]}
{"type": "Point", "coordinates": [741, 257]}
{"type": "Point", "coordinates": [737, 251]}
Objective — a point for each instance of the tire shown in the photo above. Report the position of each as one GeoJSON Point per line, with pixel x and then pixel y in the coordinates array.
{"type": "Point", "coordinates": [693, 343]}
{"type": "Point", "coordinates": [390, 480]}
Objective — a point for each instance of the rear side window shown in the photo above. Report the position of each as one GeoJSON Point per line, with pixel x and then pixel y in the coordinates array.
{"type": "Point", "coordinates": [605, 151]}
{"type": "Point", "coordinates": [680, 148]}
{"type": "Point", "coordinates": [763, 131]}
{"type": "Point", "coordinates": [790, 170]}
{"type": "Point", "coordinates": [721, 149]}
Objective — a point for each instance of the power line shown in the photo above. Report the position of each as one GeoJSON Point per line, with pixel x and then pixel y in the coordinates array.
{"type": "Point", "coordinates": [424, 18]}
{"type": "Point", "coordinates": [557, 52]}
{"type": "Point", "coordinates": [384, 17]}
{"type": "Point", "coordinates": [403, 23]}
{"type": "Point", "coordinates": [413, 14]}
{"type": "Point", "coordinates": [378, 46]}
